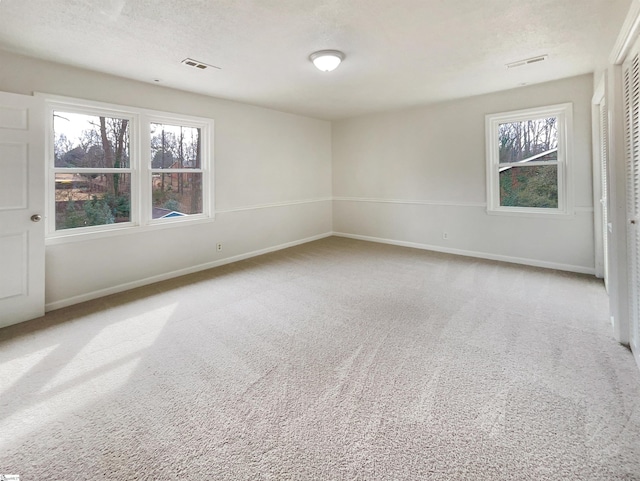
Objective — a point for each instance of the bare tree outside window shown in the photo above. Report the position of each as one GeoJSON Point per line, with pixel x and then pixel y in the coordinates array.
{"type": "Point", "coordinates": [119, 168]}
{"type": "Point", "coordinates": [85, 146]}
{"type": "Point", "coordinates": [524, 182]}
{"type": "Point", "coordinates": [176, 164]}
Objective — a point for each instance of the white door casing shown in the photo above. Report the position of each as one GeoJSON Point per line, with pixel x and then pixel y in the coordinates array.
{"type": "Point", "coordinates": [22, 196]}
{"type": "Point", "coordinates": [604, 186]}
{"type": "Point", "coordinates": [600, 124]}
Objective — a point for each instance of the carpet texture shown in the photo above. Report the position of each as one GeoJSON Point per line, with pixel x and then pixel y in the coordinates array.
{"type": "Point", "coordinates": [334, 360]}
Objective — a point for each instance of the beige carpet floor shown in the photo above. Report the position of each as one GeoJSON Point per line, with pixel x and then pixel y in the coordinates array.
{"type": "Point", "coordinates": [335, 360]}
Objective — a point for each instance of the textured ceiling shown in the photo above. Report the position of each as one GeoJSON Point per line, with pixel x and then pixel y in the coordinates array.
{"type": "Point", "coordinates": [398, 53]}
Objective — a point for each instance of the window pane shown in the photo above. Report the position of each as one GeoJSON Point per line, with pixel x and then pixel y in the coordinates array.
{"type": "Point", "coordinates": [92, 199]}
{"type": "Point", "coordinates": [524, 186]}
{"type": "Point", "coordinates": [175, 147]}
{"type": "Point", "coordinates": [90, 141]}
{"type": "Point", "coordinates": [529, 140]}
{"type": "Point", "coordinates": [176, 194]}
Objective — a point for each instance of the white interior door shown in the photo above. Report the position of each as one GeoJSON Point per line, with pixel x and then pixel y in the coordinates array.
{"type": "Point", "coordinates": [21, 208]}
{"type": "Point", "coordinates": [631, 79]}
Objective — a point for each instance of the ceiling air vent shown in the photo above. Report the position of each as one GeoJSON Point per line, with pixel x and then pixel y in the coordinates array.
{"type": "Point", "coordinates": [521, 63]}
{"type": "Point", "coordinates": [197, 64]}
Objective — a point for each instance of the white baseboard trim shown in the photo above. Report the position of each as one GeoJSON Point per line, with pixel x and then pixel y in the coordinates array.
{"type": "Point", "coordinates": [480, 255]}
{"type": "Point", "coordinates": [170, 275]}
{"type": "Point", "coordinates": [228, 260]}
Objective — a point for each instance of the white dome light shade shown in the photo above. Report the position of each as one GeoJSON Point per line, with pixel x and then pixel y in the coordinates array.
{"type": "Point", "coordinates": [327, 60]}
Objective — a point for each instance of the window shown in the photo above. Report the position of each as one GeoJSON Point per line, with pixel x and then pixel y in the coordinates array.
{"type": "Point", "coordinates": [527, 160]}
{"type": "Point", "coordinates": [92, 169]}
{"type": "Point", "coordinates": [176, 170]}
{"type": "Point", "coordinates": [115, 167]}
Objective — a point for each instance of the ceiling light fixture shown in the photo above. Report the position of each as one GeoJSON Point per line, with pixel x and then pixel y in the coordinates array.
{"type": "Point", "coordinates": [326, 60]}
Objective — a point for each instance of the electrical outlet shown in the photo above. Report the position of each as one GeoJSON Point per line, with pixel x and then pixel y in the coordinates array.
{"type": "Point", "coordinates": [445, 235]}
{"type": "Point", "coordinates": [219, 247]}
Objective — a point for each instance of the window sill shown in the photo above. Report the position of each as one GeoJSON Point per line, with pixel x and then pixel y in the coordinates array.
{"type": "Point", "coordinates": [540, 213]}
{"type": "Point", "coordinates": [65, 237]}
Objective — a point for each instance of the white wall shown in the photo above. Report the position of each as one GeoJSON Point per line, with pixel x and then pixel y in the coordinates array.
{"type": "Point", "coordinates": [407, 176]}
{"type": "Point", "coordinates": [262, 158]}
{"type": "Point", "coordinates": [402, 176]}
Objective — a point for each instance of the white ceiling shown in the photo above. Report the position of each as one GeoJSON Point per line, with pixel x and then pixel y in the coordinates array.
{"type": "Point", "coordinates": [399, 53]}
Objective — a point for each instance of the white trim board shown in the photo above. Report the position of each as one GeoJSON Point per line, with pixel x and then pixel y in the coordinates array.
{"type": "Point", "coordinates": [628, 33]}
{"type": "Point", "coordinates": [137, 229]}
{"type": "Point", "coordinates": [181, 272]}
{"type": "Point", "coordinates": [412, 202]}
{"type": "Point", "coordinates": [275, 204]}
{"type": "Point", "coordinates": [446, 203]}
{"type": "Point", "coordinates": [479, 255]}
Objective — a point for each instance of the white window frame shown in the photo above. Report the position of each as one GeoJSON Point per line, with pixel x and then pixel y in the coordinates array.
{"type": "Point", "coordinates": [564, 114]}
{"type": "Point", "coordinates": [206, 129]}
{"type": "Point", "coordinates": [140, 168]}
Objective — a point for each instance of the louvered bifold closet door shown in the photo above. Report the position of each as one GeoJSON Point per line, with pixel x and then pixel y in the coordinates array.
{"type": "Point", "coordinates": [604, 180]}
{"type": "Point", "coordinates": [631, 80]}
